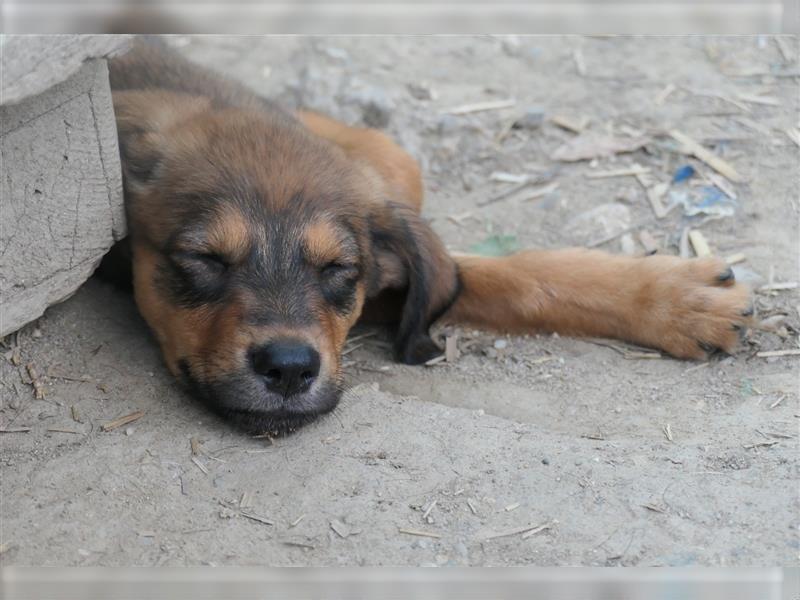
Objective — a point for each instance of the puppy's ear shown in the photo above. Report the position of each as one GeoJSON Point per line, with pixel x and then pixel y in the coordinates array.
{"type": "Point", "coordinates": [408, 257]}
{"type": "Point", "coordinates": [144, 122]}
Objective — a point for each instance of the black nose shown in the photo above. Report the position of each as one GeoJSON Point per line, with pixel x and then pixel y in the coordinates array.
{"type": "Point", "coordinates": [288, 367]}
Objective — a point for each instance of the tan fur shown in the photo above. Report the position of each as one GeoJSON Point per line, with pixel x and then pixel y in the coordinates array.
{"type": "Point", "coordinates": [229, 235]}
{"type": "Point", "coordinates": [398, 171]}
{"type": "Point", "coordinates": [322, 243]}
{"type": "Point", "coordinates": [659, 301]}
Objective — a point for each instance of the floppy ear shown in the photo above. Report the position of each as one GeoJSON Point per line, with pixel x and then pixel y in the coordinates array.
{"type": "Point", "coordinates": [409, 258]}
{"type": "Point", "coordinates": [144, 120]}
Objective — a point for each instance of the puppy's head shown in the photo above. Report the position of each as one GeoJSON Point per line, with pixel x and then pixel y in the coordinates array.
{"type": "Point", "coordinates": [255, 245]}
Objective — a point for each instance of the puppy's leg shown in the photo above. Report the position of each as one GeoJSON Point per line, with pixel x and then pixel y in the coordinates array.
{"type": "Point", "coordinates": [685, 307]}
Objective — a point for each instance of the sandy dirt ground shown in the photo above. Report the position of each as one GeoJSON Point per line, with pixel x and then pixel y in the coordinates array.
{"type": "Point", "coordinates": [526, 450]}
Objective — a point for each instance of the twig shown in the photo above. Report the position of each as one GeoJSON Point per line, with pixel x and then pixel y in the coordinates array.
{"type": "Point", "coordinates": [200, 465]}
{"type": "Point", "coordinates": [631, 171]}
{"type": "Point", "coordinates": [777, 402]}
{"type": "Point", "coordinates": [699, 243]}
{"type": "Point", "coordinates": [351, 349]}
{"type": "Point", "coordinates": [111, 425]}
{"type": "Point", "coordinates": [760, 445]}
{"type": "Point", "coordinates": [541, 191]}
{"type": "Point", "coordinates": [772, 353]}
{"type": "Point", "coordinates": [784, 49]}
{"type": "Point", "coordinates": [298, 544]}
{"type": "Point", "coordinates": [664, 94]}
{"type": "Point", "coordinates": [764, 100]}
{"type": "Point", "coordinates": [735, 259]}
{"type": "Point", "coordinates": [539, 529]}
{"type": "Point", "coordinates": [720, 183]}
{"type": "Point", "coordinates": [428, 510]}
{"type": "Point", "coordinates": [701, 153]}
{"type": "Point", "coordinates": [256, 518]}
{"type": "Point", "coordinates": [361, 337]}
{"type": "Point", "coordinates": [527, 529]}
{"type": "Point", "coordinates": [480, 106]}
{"type": "Point", "coordinates": [435, 360]}
{"type": "Point", "coordinates": [38, 388]}
{"type": "Point", "coordinates": [777, 287]}
{"type": "Point", "coordinates": [542, 178]}
{"type": "Point", "coordinates": [794, 135]}
{"type": "Point", "coordinates": [570, 124]}
{"type": "Point", "coordinates": [419, 533]}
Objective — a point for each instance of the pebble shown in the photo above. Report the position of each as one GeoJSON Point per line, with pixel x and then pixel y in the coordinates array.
{"type": "Point", "coordinates": [376, 106]}
{"type": "Point", "coordinates": [500, 344]}
{"type": "Point", "coordinates": [627, 244]}
{"type": "Point", "coordinates": [532, 119]}
{"type": "Point", "coordinates": [511, 45]}
{"type": "Point", "coordinates": [420, 91]}
{"type": "Point", "coordinates": [336, 53]}
{"type": "Point", "coordinates": [545, 461]}
{"type": "Point", "coordinates": [446, 124]}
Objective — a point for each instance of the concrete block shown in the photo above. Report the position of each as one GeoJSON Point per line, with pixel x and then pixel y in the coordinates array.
{"type": "Point", "coordinates": [61, 205]}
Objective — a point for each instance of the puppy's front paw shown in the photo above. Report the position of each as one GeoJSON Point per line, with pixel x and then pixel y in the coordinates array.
{"type": "Point", "coordinates": [690, 308]}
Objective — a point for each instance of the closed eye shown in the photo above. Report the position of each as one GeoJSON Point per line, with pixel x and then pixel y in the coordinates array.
{"type": "Point", "coordinates": [340, 272]}
{"type": "Point", "coordinates": [209, 262]}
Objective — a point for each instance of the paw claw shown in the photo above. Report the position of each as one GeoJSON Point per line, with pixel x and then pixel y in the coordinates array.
{"type": "Point", "coordinates": [726, 275]}
{"type": "Point", "coordinates": [707, 347]}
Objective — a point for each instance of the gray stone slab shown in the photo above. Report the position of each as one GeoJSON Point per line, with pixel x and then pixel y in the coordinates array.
{"type": "Point", "coordinates": [32, 64]}
{"type": "Point", "coordinates": [61, 205]}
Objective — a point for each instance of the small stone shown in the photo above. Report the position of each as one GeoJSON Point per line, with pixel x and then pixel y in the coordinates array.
{"type": "Point", "coordinates": [420, 91]}
{"type": "Point", "coordinates": [447, 124]}
{"type": "Point", "coordinates": [627, 244]}
{"type": "Point", "coordinates": [627, 195]}
{"type": "Point", "coordinates": [511, 45]}
{"type": "Point", "coordinates": [532, 119]}
{"type": "Point", "coordinates": [461, 550]}
{"type": "Point", "coordinates": [545, 461]}
{"type": "Point", "coordinates": [500, 344]}
{"type": "Point", "coordinates": [336, 53]}
{"type": "Point", "coordinates": [376, 107]}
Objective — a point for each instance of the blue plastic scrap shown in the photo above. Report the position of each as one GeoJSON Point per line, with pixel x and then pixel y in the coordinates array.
{"type": "Point", "coordinates": [682, 174]}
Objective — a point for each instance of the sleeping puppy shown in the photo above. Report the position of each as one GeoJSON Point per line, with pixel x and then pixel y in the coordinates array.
{"type": "Point", "coordinates": [259, 237]}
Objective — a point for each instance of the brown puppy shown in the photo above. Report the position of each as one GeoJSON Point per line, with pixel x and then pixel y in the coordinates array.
{"type": "Point", "coordinates": [259, 238]}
